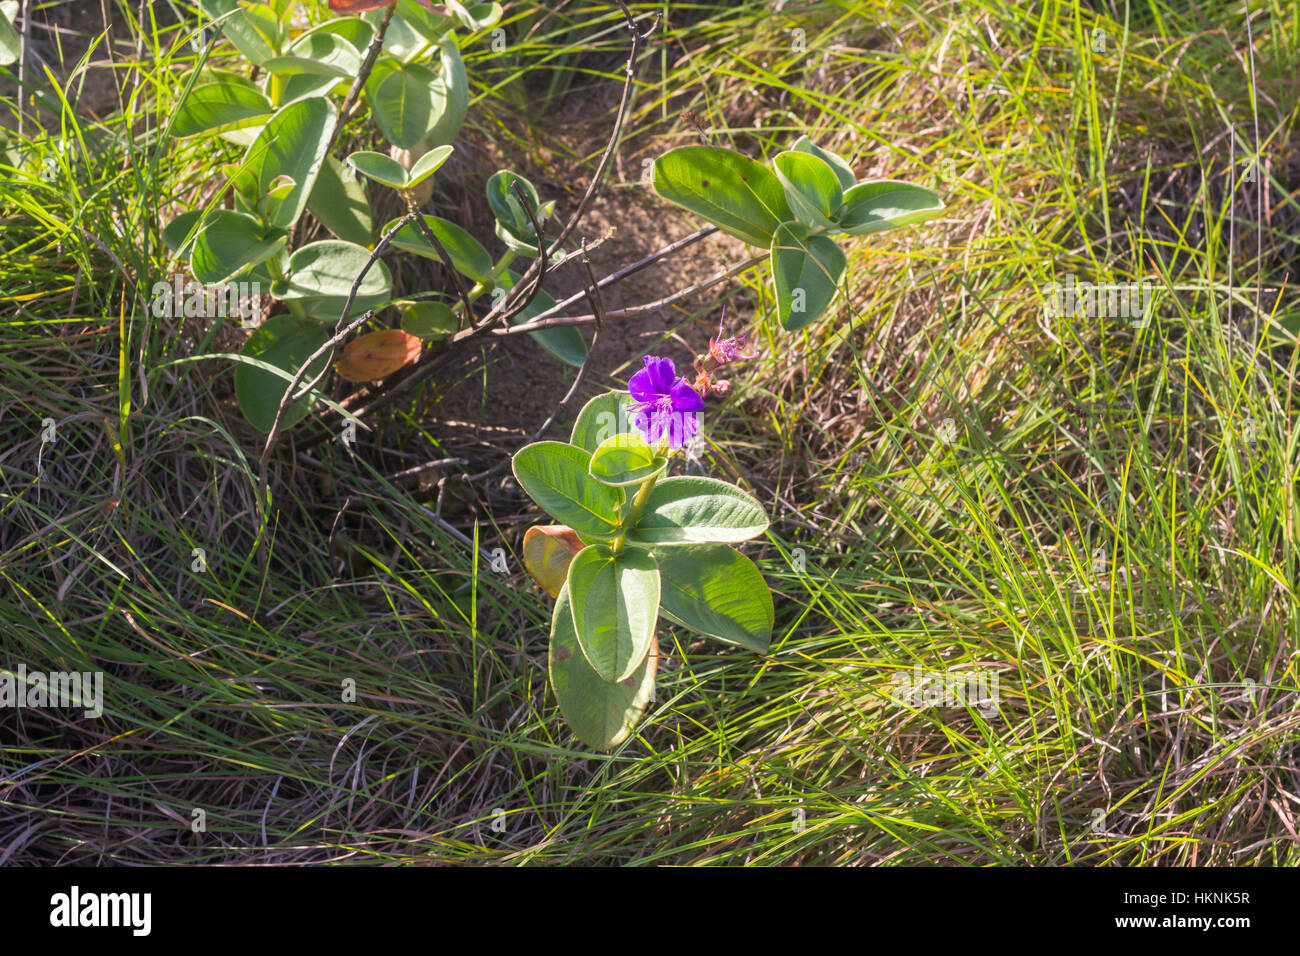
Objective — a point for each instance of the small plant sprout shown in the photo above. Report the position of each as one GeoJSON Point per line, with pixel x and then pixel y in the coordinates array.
{"type": "Point", "coordinates": [634, 546]}
{"type": "Point", "coordinates": [791, 210]}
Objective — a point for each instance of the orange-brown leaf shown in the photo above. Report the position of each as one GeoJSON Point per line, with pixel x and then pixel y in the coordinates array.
{"type": "Point", "coordinates": [548, 549]}
{"type": "Point", "coordinates": [376, 354]}
{"type": "Point", "coordinates": [361, 6]}
{"type": "Point", "coordinates": [358, 6]}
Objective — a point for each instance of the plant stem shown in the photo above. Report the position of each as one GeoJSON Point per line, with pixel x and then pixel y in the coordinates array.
{"type": "Point", "coordinates": [634, 512]}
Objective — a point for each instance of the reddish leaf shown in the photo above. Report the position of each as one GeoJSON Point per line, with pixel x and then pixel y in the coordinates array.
{"type": "Point", "coordinates": [548, 549]}
{"type": "Point", "coordinates": [361, 6]}
{"type": "Point", "coordinates": [358, 6]}
{"type": "Point", "coordinates": [377, 354]}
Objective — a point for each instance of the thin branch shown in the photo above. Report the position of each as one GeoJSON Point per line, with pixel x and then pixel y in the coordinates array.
{"type": "Point", "coordinates": [598, 307]}
{"type": "Point", "coordinates": [427, 466]}
{"type": "Point", "coordinates": [342, 330]}
{"type": "Point", "coordinates": [592, 290]}
{"type": "Point", "coordinates": [632, 269]}
{"type": "Point", "coordinates": [536, 325]}
{"type": "Point", "coordinates": [446, 358]}
{"type": "Point", "coordinates": [536, 272]}
{"type": "Point", "coordinates": [543, 257]}
{"type": "Point", "coordinates": [354, 91]}
{"type": "Point", "coordinates": [456, 279]}
{"type": "Point", "coordinates": [615, 137]}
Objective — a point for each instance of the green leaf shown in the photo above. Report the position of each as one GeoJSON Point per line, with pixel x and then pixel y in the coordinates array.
{"type": "Point", "coordinates": [321, 275]}
{"type": "Point", "coordinates": [742, 197]}
{"type": "Point", "coordinates": [843, 171]}
{"type": "Point", "coordinates": [811, 188]}
{"type": "Point", "coordinates": [292, 144]}
{"type": "Point", "coordinates": [341, 204]}
{"type": "Point", "coordinates": [401, 100]}
{"type": "Point", "coordinates": [565, 342]}
{"type": "Point", "coordinates": [468, 257]}
{"type": "Point", "coordinates": [317, 54]}
{"type": "Point", "coordinates": [400, 40]}
{"type": "Point", "coordinates": [885, 203]}
{"type": "Point", "coordinates": [284, 342]}
{"type": "Point", "coordinates": [288, 65]}
{"type": "Point", "coordinates": [601, 713]}
{"type": "Point", "coordinates": [625, 460]}
{"type": "Point", "coordinates": [427, 165]}
{"type": "Point", "coordinates": [430, 321]}
{"type": "Point", "coordinates": [277, 192]}
{"type": "Point", "coordinates": [717, 592]}
{"type": "Point", "coordinates": [513, 225]}
{"type": "Point", "coordinates": [430, 25]}
{"type": "Point", "coordinates": [615, 608]}
{"type": "Point", "coordinates": [10, 42]}
{"type": "Point", "coordinates": [353, 29]}
{"type": "Point", "coordinates": [692, 510]}
{"type": "Point", "coordinates": [555, 476]}
{"type": "Point", "coordinates": [231, 242]}
{"type": "Point", "coordinates": [220, 106]}
{"type": "Point", "coordinates": [315, 63]}
{"type": "Point", "coordinates": [450, 97]}
{"type": "Point", "coordinates": [174, 234]}
{"type": "Point", "coordinates": [602, 418]}
{"type": "Point", "coordinates": [252, 33]}
{"type": "Point", "coordinates": [478, 17]}
{"type": "Point", "coordinates": [379, 167]}
{"type": "Point", "coordinates": [806, 271]}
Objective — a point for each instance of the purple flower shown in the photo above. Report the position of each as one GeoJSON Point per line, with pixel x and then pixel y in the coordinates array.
{"type": "Point", "coordinates": [665, 404]}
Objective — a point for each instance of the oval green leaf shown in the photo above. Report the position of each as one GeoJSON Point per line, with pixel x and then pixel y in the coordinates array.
{"type": "Point", "coordinates": [555, 475]}
{"type": "Point", "coordinates": [696, 510]}
{"type": "Point", "coordinates": [284, 342]}
{"type": "Point", "coordinates": [216, 106]}
{"type": "Point", "coordinates": [741, 197]}
{"type": "Point", "coordinates": [843, 171]}
{"type": "Point", "coordinates": [321, 274]}
{"type": "Point", "coordinates": [292, 144]}
{"type": "Point", "coordinates": [468, 257]}
{"type": "Point", "coordinates": [811, 188]}
{"type": "Point", "coordinates": [602, 418]}
{"type": "Point", "coordinates": [430, 321]}
{"type": "Point", "coordinates": [601, 713]}
{"type": "Point", "coordinates": [450, 97]}
{"type": "Point", "coordinates": [10, 42]}
{"type": "Point", "coordinates": [717, 592]}
{"type": "Point", "coordinates": [806, 271]}
{"type": "Point", "coordinates": [513, 225]}
{"type": "Point", "coordinates": [382, 169]}
{"type": "Point", "coordinates": [176, 234]}
{"type": "Point", "coordinates": [615, 608]}
{"type": "Point", "coordinates": [400, 97]}
{"type": "Point", "coordinates": [427, 165]}
{"type": "Point", "coordinates": [230, 243]}
{"type": "Point", "coordinates": [341, 204]}
{"type": "Point", "coordinates": [625, 460]}
{"type": "Point", "coordinates": [884, 204]}
{"type": "Point", "coordinates": [252, 35]}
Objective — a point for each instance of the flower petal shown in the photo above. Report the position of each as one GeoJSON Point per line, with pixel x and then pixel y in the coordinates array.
{"type": "Point", "coordinates": [685, 398]}
{"type": "Point", "coordinates": [662, 372]}
{"type": "Point", "coordinates": [641, 385]}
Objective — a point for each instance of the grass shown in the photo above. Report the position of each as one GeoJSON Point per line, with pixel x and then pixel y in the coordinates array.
{"type": "Point", "coordinates": [1125, 566]}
